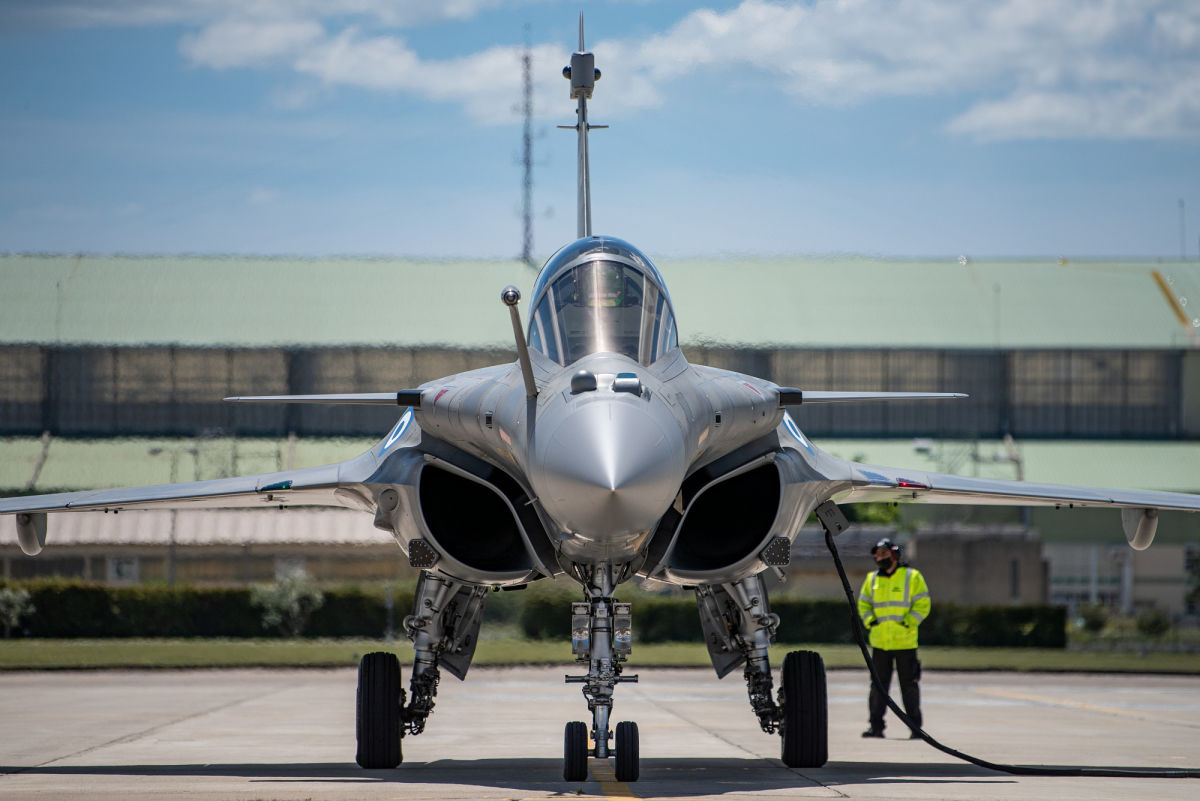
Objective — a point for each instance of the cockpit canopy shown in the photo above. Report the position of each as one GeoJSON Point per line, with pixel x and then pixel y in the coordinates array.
{"type": "Point", "coordinates": [601, 294]}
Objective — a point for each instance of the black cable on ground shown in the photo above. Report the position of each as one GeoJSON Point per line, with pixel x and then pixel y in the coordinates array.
{"type": "Point", "coordinates": [1018, 770]}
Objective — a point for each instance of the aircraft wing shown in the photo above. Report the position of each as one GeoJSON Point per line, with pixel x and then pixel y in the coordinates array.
{"type": "Point", "coordinates": [1139, 508]}
{"type": "Point", "coordinates": [314, 486]}
{"type": "Point", "coordinates": [891, 484]}
{"type": "Point", "coordinates": [325, 485]}
{"type": "Point", "coordinates": [341, 484]}
{"type": "Point", "coordinates": [328, 485]}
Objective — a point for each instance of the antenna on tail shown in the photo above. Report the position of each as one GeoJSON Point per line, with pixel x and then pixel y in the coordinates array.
{"type": "Point", "coordinates": [582, 74]}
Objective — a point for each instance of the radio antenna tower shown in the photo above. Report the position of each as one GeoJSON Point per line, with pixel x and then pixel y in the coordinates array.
{"type": "Point", "coordinates": [527, 154]}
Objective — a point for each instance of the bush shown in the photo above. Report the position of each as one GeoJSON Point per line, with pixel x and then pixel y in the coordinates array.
{"type": "Point", "coordinates": [14, 605]}
{"type": "Point", "coordinates": [814, 621]}
{"type": "Point", "coordinates": [1094, 617]}
{"type": "Point", "coordinates": [543, 611]}
{"type": "Point", "coordinates": [996, 626]}
{"type": "Point", "coordinates": [288, 604]}
{"type": "Point", "coordinates": [73, 609]}
{"type": "Point", "coordinates": [1153, 622]}
{"type": "Point", "coordinates": [666, 620]}
{"type": "Point", "coordinates": [359, 612]}
{"type": "Point", "coordinates": [546, 612]}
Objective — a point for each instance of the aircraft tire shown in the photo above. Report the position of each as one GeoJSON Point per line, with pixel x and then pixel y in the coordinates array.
{"type": "Point", "coordinates": [805, 725]}
{"type": "Point", "coordinates": [575, 752]}
{"type": "Point", "coordinates": [378, 711]}
{"type": "Point", "coordinates": [628, 752]}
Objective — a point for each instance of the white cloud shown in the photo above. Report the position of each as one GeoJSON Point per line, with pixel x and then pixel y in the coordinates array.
{"type": "Point", "coordinates": [1020, 68]}
{"type": "Point", "coordinates": [248, 43]}
{"type": "Point", "coordinates": [1133, 113]}
{"type": "Point", "coordinates": [485, 83]}
{"type": "Point", "coordinates": [1028, 68]}
{"type": "Point", "coordinates": [111, 13]}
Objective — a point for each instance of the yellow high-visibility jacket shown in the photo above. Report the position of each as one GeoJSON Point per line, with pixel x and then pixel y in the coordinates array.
{"type": "Point", "coordinates": [891, 607]}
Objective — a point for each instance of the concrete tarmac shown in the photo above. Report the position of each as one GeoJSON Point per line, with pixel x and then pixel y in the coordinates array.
{"type": "Point", "coordinates": [289, 734]}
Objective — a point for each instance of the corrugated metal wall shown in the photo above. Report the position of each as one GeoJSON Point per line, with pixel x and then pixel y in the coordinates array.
{"type": "Point", "coordinates": [168, 391]}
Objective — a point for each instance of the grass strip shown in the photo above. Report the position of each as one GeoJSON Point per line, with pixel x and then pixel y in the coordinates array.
{"type": "Point", "coordinates": [34, 654]}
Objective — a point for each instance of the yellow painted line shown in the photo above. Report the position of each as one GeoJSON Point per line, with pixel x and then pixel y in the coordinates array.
{"type": "Point", "coordinates": [603, 771]}
{"type": "Point", "coordinates": [1042, 699]}
{"type": "Point", "coordinates": [1108, 710]}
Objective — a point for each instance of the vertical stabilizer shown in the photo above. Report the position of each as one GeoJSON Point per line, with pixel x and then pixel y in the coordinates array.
{"type": "Point", "coordinates": [583, 75]}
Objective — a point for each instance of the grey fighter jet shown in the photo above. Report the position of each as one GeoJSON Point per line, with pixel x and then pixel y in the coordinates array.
{"type": "Point", "coordinates": [604, 455]}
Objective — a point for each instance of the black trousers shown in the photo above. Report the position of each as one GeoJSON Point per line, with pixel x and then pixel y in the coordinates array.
{"type": "Point", "coordinates": [910, 691]}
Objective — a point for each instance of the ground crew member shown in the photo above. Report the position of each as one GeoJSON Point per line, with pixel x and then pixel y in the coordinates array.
{"type": "Point", "coordinates": [892, 603]}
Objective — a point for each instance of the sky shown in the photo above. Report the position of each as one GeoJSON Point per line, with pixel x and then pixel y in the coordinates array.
{"type": "Point", "coordinates": [894, 128]}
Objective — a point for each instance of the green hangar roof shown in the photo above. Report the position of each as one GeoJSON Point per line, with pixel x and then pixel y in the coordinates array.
{"type": "Point", "coordinates": [784, 301]}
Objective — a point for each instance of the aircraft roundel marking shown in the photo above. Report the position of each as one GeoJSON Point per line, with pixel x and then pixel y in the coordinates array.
{"type": "Point", "coordinates": [794, 430]}
{"type": "Point", "coordinates": [399, 430]}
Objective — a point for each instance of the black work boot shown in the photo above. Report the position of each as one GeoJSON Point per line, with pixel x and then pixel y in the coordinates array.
{"type": "Point", "coordinates": [878, 733]}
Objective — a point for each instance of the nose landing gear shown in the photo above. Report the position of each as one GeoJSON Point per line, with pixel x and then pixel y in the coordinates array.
{"type": "Point", "coordinates": [601, 639]}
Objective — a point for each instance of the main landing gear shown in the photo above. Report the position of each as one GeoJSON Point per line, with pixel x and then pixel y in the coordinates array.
{"type": "Point", "coordinates": [739, 628]}
{"type": "Point", "coordinates": [601, 638]}
{"type": "Point", "coordinates": [444, 629]}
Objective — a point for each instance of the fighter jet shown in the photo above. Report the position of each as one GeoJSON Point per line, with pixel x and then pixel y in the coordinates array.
{"type": "Point", "coordinates": [601, 454]}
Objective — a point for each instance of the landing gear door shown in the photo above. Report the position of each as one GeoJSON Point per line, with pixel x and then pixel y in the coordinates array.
{"type": "Point", "coordinates": [463, 614]}
{"type": "Point", "coordinates": [722, 649]}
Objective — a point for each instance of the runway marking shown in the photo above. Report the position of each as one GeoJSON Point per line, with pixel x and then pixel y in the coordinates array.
{"type": "Point", "coordinates": [1107, 710]}
{"type": "Point", "coordinates": [603, 771]}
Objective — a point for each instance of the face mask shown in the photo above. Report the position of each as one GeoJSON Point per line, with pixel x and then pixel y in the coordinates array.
{"type": "Point", "coordinates": [884, 564]}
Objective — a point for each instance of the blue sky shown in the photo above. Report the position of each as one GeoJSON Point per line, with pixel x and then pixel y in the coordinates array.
{"type": "Point", "coordinates": [324, 127]}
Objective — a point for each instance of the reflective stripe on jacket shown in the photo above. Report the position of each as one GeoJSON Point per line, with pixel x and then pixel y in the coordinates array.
{"type": "Point", "coordinates": [897, 604]}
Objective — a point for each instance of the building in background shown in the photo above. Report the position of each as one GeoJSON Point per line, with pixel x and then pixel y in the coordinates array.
{"type": "Point", "coordinates": [112, 370]}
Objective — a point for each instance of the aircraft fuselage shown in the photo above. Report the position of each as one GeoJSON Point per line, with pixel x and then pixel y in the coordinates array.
{"type": "Point", "coordinates": [606, 445]}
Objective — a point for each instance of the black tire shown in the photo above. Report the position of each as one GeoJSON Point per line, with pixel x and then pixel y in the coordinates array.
{"type": "Point", "coordinates": [575, 752]}
{"type": "Point", "coordinates": [805, 726]}
{"type": "Point", "coordinates": [378, 711]}
{"type": "Point", "coordinates": [628, 752]}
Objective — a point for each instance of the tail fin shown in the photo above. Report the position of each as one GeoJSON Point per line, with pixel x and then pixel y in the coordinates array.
{"type": "Point", "coordinates": [583, 75]}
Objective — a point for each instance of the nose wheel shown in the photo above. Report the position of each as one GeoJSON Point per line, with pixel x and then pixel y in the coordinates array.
{"type": "Point", "coordinates": [627, 767]}
{"type": "Point", "coordinates": [601, 638]}
{"type": "Point", "coordinates": [576, 752]}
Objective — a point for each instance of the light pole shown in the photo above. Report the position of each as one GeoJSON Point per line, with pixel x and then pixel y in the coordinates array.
{"type": "Point", "coordinates": [174, 476]}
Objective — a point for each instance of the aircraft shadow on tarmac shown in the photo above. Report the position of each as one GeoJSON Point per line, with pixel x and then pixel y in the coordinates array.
{"type": "Point", "coordinates": [678, 777]}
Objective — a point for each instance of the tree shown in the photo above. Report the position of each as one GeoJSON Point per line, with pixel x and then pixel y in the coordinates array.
{"type": "Point", "coordinates": [14, 605]}
{"type": "Point", "coordinates": [288, 603]}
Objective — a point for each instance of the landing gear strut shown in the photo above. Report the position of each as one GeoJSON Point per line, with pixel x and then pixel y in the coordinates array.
{"type": "Point", "coordinates": [739, 628]}
{"type": "Point", "coordinates": [600, 639]}
{"type": "Point", "coordinates": [444, 629]}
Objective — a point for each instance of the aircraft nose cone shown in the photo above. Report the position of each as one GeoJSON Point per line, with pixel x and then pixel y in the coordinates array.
{"type": "Point", "coordinates": [609, 470]}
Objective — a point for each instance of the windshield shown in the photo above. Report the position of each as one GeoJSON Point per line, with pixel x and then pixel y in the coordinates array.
{"type": "Point", "coordinates": [602, 305]}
